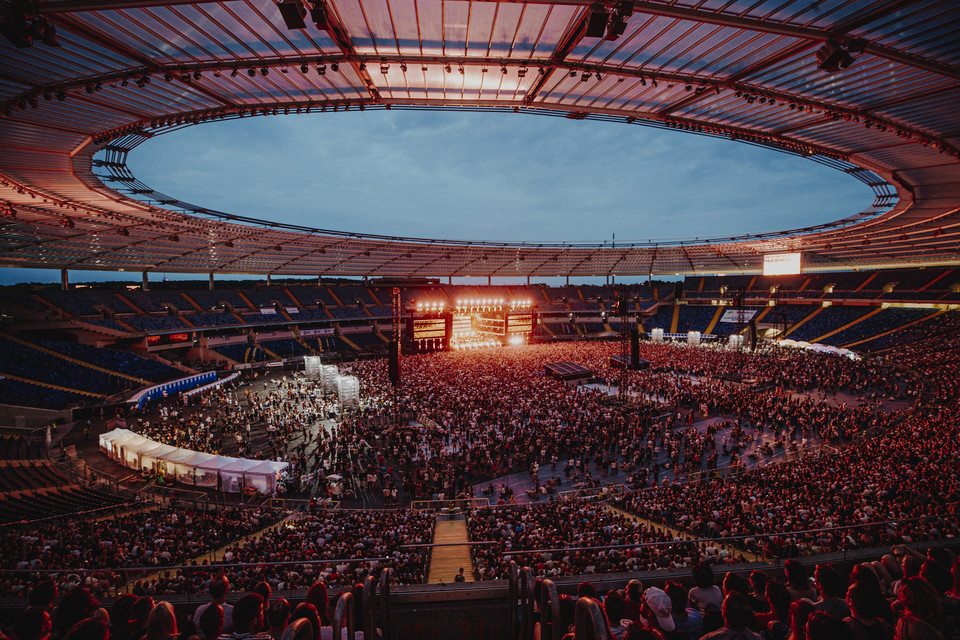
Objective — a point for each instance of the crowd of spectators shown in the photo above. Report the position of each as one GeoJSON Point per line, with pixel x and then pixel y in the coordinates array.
{"type": "Point", "coordinates": [357, 543]}
{"type": "Point", "coordinates": [63, 549]}
{"type": "Point", "coordinates": [545, 537]}
{"type": "Point", "coordinates": [915, 599]}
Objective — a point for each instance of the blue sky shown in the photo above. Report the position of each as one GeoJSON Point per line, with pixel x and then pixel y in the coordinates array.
{"type": "Point", "coordinates": [485, 176]}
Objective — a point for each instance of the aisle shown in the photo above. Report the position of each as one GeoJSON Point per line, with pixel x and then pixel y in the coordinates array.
{"type": "Point", "coordinates": [445, 562]}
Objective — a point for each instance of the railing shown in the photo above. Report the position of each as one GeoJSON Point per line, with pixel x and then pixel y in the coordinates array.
{"type": "Point", "coordinates": [592, 493]}
{"type": "Point", "coordinates": [550, 606]}
{"type": "Point", "coordinates": [589, 621]}
{"type": "Point", "coordinates": [449, 506]}
{"type": "Point", "coordinates": [343, 618]}
{"type": "Point", "coordinates": [525, 576]}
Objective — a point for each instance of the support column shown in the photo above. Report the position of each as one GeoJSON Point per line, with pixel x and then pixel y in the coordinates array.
{"type": "Point", "coordinates": [210, 286]}
{"type": "Point", "coordinates": [489, 280]}
{"type": "Point", "coordinates": [449, 279]}
{"type": "Point", "coordinates": [528, 281]}
{"type": "Point", "coordinates": [64, 280]}
{"type": "Point", "coordinates": [146, 282]}
{"type": "Point", "coordinates": [319, 280]}
{"type": "Point", "coordinates": [568, 281]}
{"type": "Point", "coordinates": [269, 282]}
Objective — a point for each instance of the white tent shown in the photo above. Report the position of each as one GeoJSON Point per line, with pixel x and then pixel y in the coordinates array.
{"type": "Point", "coordinates": [150, 455]}
{"type": "Point", "coordinates": [127, 448]}
{"type": "Point", "coordinates": [184, 462]}
{"type": "Point", "coordinates": [259, 474]}
{"type": "Point", "coordinates": [191, 467]}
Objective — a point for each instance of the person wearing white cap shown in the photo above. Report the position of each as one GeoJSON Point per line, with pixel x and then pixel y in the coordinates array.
{"type": "Point", "coordinates": [656, 609]}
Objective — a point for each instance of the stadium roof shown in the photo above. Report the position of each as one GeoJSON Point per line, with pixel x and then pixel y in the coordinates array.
{"type": "Point", "coordinates": [84, 81]}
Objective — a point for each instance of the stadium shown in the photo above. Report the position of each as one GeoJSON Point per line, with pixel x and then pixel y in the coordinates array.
{"type": "Point", "coordinates": [740, 436]}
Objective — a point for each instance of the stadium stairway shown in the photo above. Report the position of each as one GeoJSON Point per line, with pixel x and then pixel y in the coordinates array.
{"type": "Point", "coordinates": [91, 394]}
{"type": "Point", "coordinates": [246, 301]}
{"type": "Point", "coordinates": [446, 561]}
{"type": "Point", "coordinates": [334, 295]}
{"type": "Point", "coordinates": [272, 354]}
{"type": "Point", "coordinates": [95, 328]}
{"type": "Point", "coordinates": [290, 295]}
{"type": "Point", "coordinates": [808, 317]}
{"type": "Point", "coordinates": [846, 326]}
{"type": "Point", "coordinates": [192, 302]}
{"type": "Point", "coordinates": [676, 318]}
{"type": "Point", "coordinates": [350, 343]}
{"type": "Point", "coordinates": [713, 321]}
{"type": "Point", "coordinates": [46, 303]}
{"type": "Point", "coordinates": [51, 352]}
{"type": "Point", "coordinates": [303, 343]}
{"type": "Point", "coordinates": [127, 302]}
{"type": "Point", "coordinates": [889, 331]}
{"type": "Point", "coordinates": [863, 285]}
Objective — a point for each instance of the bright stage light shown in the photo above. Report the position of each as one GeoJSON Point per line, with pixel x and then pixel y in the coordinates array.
{"type": "Point", "coordinates": [514, 340]}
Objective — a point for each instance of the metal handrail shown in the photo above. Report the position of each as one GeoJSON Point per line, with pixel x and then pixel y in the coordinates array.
{"type": "Point", "coordinates": [344, 613]}
{"type": "Point", "coordinates": [589, 621]}
{"type": "Point", "coordinates": [513, 573]}
{"type": "Point", "coordinates": [383, 602]}
{"type": "Point", "coordinates": [368, 612]}
{"type": "Point", "coordinates": [550, 601]}
{"type": "Point", "coordinates": [526, 573]}
{"type": "Point", "coordinates": [528, 607]}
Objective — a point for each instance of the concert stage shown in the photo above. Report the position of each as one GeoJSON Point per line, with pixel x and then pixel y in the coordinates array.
{"type": "Point", "coordinates": [567, 371]}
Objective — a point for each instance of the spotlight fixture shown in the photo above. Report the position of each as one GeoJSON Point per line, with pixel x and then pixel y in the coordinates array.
{"type": "Point", "coordinates": [834, 56]}
{"type": "Point", "coordinates": [233, 74]}
{"type": "Point", "coordinates": [303, 68]}
{"type": "Point", "coordinates": [322, 69]}
{"type": "Point", "coordinates": [334, 67]}
{"type": "Point", "coordinates": [264, 71]}
{"type": "Point", "coordinates": [403, 67]}
{"type": "Point", "coordinates": [616, 26]}
{"type": "Point", "coordinates": [363, 66]}
{"type": "Point", "coordinates": [522, 71]}
{"type": "Point", "coordinates": [585, 76]}
{"type": "Point", "coordinates": [168, 77]}
{"type": "Point", "coordinates": [384, 68]}
{"type": "Point", "coordinates": [448, 68]}
{"type": "Point", "coordinates": [251, 72]}
{"type": "Point", "coordinates": [597, 22]}
{"type": "Point", "coordinates": [197, 75]}
{"type": "Point", "coordinates": [293, 13]}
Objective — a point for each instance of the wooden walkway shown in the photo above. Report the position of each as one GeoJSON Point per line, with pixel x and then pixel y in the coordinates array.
{"type": "Point", "coordinates": [445, 562]}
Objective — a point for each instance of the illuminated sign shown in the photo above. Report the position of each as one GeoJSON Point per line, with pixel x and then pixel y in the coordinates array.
{"type": "Point", "coordinates": [781, 264]}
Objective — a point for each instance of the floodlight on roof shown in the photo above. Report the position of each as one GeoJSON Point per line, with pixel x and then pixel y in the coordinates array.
{"type": "Point", "coordinates": [334, 67]}
{"type": "Point", "coordinates": [834, 56]}
{"type": "Point", "coordinates": [597, 22]}
{"type": "Point", "coordinates": [322, 69]}
{"type": "Point", "coordinates": [293, 13]}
